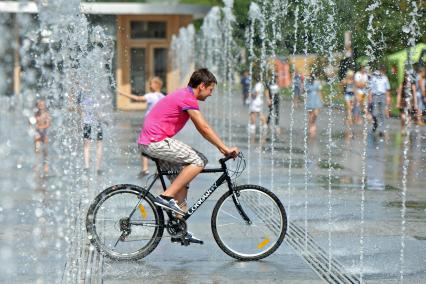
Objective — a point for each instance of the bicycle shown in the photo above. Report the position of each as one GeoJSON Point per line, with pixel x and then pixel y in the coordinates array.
{"type": "Point", "coordinates": [248, 221]}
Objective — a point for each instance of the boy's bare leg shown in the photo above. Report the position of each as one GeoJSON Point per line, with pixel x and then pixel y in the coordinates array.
{"type": "Point", "coordinates": [37, 145]}
{"type": "Point", "coordinates": [45, 154]}
{"type": "Point", "coordinates": [86, 152]}
{"type": "Point", "coordinates": [144, 164]}
{"type": "Point", "coordinates": [178, 189]}
{"type": "Point", "coordinates": [262, 119]}
{"type": "Point", "coordinates": [99, 154]}
{"type": "Point", "coordinates": [253, 116]}
{"type": "Point", "coordinates": [181, 198]}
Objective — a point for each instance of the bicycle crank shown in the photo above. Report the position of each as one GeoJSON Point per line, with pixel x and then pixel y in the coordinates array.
{"type": "Point", "coordinates": [176, 227]}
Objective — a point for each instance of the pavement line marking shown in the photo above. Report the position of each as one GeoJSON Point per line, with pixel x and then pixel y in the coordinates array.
{"type": "Point", "coordinates": [263, 243]}
{"type": "Point", "coordinates": [143, 211]}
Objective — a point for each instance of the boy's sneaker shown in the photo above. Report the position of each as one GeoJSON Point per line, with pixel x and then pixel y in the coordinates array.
{"type": "Point", "coordinates": [142, 174]}
{"type": "Point", "coordinates": [168, 204]}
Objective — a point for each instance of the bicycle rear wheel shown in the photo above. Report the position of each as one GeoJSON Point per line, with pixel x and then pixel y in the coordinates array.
{"type": "Point", "coordinates": [123, 222]}
{"type": "Point", "coordinates": [254, 239]}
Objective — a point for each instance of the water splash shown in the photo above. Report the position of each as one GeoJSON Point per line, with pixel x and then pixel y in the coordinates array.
{"type": "Point", "coordinates": [254, 15]}
{"type": "Point", "coordinates": [229, 61]}
{"type": "Point", "coordinates": [292, 108]}
{"type": "Point", "coordinates": [62, 56]}
{"type": "Point", "coordinates": [413, 35]}
{"type": "Point", "coordinates": [182, 49]}
{"type": "Point", "coordinates": [370, 52]}
{"type": "Point", "coordinates": [272, 10]}
{"type": "Point", "coordinates": [331, 44]}
{"type": "Point", "coordinates": [209, 47]}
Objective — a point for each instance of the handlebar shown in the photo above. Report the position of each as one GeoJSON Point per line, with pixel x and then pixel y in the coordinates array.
{"type": "Point", "coordinates": [237, 167]}
{"type": "Point", "coordinates": [224, 160]}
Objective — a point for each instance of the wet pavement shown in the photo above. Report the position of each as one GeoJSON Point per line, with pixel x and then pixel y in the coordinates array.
{"type": "Point", "coordinates": [332, 225]}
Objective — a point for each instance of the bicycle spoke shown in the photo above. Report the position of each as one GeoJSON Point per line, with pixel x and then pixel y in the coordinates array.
{"type": "Point", "coordinates": [117, 241]}
{"type": "Point", "coordinates": [236, 218]}
{"type": "Point", "coordinates": [106, 219]}
{"type": "Point", "coordinates": [227, 224]}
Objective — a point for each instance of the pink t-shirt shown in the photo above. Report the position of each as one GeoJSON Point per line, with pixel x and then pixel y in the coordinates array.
{"type": "Point", "coordinates": [168, 116]}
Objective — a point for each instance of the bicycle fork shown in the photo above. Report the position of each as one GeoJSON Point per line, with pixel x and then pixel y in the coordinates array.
{"type": "Point", "coordinates": [240, 209]}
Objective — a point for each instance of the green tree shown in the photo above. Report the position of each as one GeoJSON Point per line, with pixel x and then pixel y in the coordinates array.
{"type": "Point", "coordinates": [388, 20]}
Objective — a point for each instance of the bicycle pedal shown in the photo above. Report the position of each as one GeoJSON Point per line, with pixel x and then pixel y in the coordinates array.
{"type": "Point", "coordinates": [193, 240]}
{"type": "Point", "coordinates": [176, 240]}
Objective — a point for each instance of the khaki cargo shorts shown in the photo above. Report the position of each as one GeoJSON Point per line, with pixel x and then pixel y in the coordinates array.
{"type": "Point", "coordinates": [173, 155]}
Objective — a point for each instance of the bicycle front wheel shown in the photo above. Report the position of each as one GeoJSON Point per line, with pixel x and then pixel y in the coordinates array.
{"type": "Point", "coordinates": [123, 222]}
{"type": "Point", "coordinates": [249, 224]}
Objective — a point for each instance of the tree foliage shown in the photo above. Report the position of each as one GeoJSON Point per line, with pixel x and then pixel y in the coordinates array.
{"type": "Point", "coordinates": [388, 20]}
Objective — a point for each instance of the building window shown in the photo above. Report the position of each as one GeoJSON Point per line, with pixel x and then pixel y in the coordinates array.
{"type": "Point", "coordinates": [160, 65]}
{"type": "Point", "coordinates": [147, 30]}
{"type": "Point", "coordinates": [137, 71]}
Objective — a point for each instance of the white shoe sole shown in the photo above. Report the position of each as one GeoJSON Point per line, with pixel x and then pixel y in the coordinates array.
{"type": "Point", "coordinates": [168, 208]}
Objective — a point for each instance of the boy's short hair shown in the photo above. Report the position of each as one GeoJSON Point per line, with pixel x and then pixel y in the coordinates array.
{"type": "Point", "coordinates": [202, 75]}
{"type": "Point", "coordinates": [157, 80]}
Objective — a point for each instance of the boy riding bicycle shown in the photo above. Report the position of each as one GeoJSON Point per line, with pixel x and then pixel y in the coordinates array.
{"type": "Point", "coordinates": [164, 121]}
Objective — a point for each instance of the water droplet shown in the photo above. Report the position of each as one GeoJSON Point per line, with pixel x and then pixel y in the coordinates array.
{"type": "Point", "coordinates": [38, 212]}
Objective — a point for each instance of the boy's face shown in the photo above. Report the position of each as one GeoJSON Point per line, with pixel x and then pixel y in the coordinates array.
{"type": "Point", "coordinates": [205, 92]}
{"type": "Point", "coordinates": [154, 85]}
{"type": "Point", "coordinates": [41, 105]}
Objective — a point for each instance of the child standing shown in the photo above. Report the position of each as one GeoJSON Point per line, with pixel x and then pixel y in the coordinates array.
{"type": "Point", "coordinates": [151, 98]}
{"type": "Point", "coordinates": [349, 93]}
{"type": "Point", "coordinates": [42, 124]}
{"type": "Point", "coordinates": [255, 107]}
{"type": "Point", "coordinates": [313, 103]}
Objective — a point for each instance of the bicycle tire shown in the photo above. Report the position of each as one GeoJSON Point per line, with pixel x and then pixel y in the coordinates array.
{"type": "Point", "coordinates": [277, 227]}
{"type": "Point", "coordinates": [94, 233]}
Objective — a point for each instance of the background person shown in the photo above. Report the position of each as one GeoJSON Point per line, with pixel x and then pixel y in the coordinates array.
{"type": "Point", "coordinates": [406, 99]}
{"type": "Point", "coordinates": [297, 88]}
{"type": "Point", "coordinates": [380, 99]}
{"type": "Point", "coordinates": [349, 95]}
{"type": "Point", "coordinates": [151, 98]}
{"type": "Point", "coordinates": [274, 106]}
{"type": "Point", "coordinates": [255, 107]}
{"type": "Point", "coordinates": [421, 93]}
{"type": "Point", "coordinates": [245, 87]}
{"type": "Point", "coordinates": [88, 109]}
{"type": "Point", "coordinates": [313, 102]}
{"type": "Point", "coordinates": [42, 123]}
{"type": "Point", "coordinates": [361, 92]}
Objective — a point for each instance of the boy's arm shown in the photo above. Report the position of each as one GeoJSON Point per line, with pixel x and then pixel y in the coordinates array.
{"type": "Point", "coordinates": [414, 92]}
{"type": "Point", "coordinates": [133, 97]}
{"type": "Point", "coordinates": [398, 96]}
{"type": "Point", "coordinates": [49, 120]}
{"type": "Point", "coordinates": [208, 133]}
{"type": "Point", "coordinates": [268, 96]}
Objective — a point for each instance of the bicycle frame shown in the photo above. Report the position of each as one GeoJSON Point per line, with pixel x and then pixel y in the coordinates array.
{"type": "Point", "coordinates": [224, 177]}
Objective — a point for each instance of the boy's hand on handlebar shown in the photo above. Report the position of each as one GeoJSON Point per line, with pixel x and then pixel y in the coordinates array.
{"type": "Point", "coordinates": [233, 152]}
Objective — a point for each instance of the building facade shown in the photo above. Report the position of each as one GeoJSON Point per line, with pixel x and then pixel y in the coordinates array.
{"type": "Point", "coordinates": [142, 35]}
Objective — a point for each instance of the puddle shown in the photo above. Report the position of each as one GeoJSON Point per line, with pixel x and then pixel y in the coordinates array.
{"type": "Point", "coordinates": [420, 238]}
{"type": "Point", "coordinates": [351, 182]}
{"type": "Point", "coordinates": [409, 204]}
